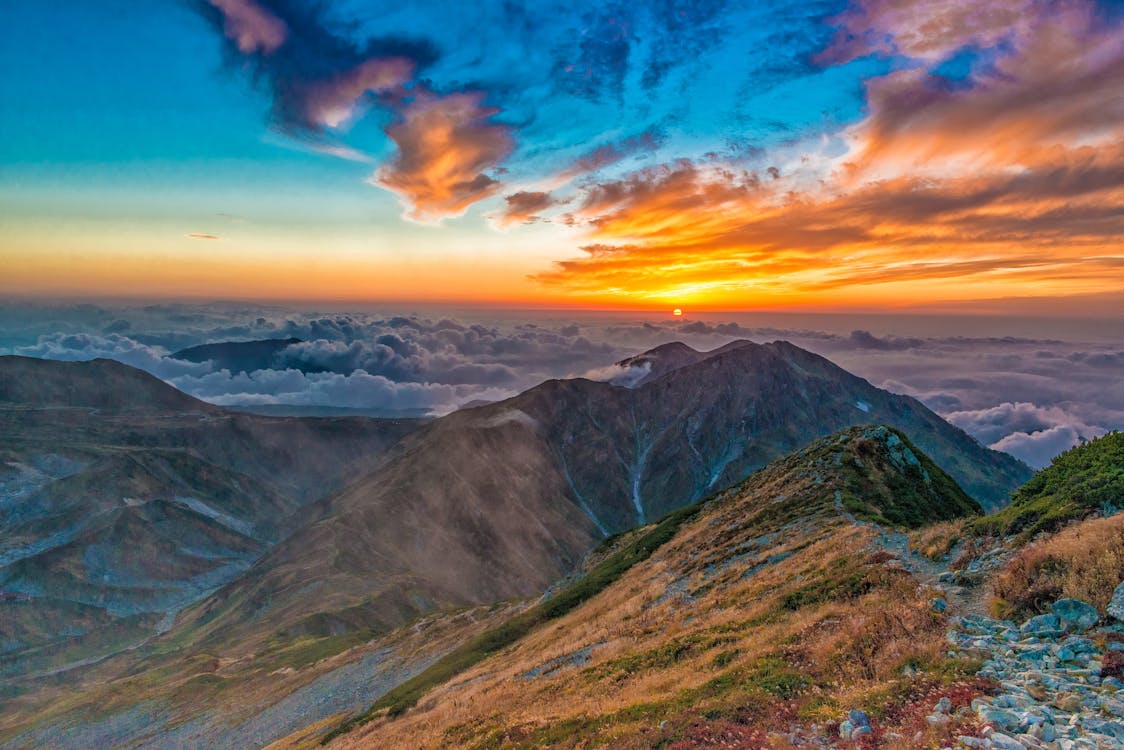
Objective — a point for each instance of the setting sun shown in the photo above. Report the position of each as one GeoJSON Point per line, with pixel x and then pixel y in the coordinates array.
{"type": "Point", "coordinates": [677, 312]}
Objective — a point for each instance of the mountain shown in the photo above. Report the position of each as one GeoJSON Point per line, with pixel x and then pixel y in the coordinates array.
{"type": "Point", "coordinates": [123, 500]}
{"type": "Point", "coordinates": [709, 594]}
{"type": "Point", "coordinates": [498, 502]}
{"type": "Point", "coordinates": [239, 356]}
{"type": "Point", "coordinates": [724, 624]}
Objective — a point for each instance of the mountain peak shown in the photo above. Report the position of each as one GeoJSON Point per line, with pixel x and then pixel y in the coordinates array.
{"type": "Point", "coordinates": [93, 384]}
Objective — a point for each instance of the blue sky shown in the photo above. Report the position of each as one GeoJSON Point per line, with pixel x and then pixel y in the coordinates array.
{"type": "Point", "coordinates": [554, 152]}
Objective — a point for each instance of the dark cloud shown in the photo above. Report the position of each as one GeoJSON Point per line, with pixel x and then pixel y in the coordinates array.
{"type": "Point", "coordinates": [867, 340]}
{"type": "Point", "coordinates": [524, 207]}
{"type": "Point", "coordinates": [316, 74]}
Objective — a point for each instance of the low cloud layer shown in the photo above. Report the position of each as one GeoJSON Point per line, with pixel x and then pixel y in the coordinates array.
{"type": "Point", "coordinates": [1032, 396]}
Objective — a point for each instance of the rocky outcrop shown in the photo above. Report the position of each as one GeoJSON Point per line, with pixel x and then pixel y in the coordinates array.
{"type": "Point", "coordinates": [1053, 692]}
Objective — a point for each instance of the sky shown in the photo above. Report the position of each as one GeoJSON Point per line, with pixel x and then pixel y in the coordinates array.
{"type": "Point", "coordinates": [865, 155]}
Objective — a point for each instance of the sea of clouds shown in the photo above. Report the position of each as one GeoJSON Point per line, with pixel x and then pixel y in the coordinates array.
{"type": "Point", "coordinates": [1032, 397]}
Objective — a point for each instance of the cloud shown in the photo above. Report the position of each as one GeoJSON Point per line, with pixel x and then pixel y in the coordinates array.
{"type": "Point", "coordinates": [251, 27]}
{"type": "Point", "coordinates": [79, 347]}
{"type": "Point", "coordinates": [628, 376]}
{"type": "Point", "coordinates": [200, 236]}
{"type": "Point", "coordinates": [998, 423]}
{"type": "Point", "coordinates": [445, 146]}
{"type": "Point", "coordinates": [612, 153]}
{"type": "Point", "coordinates": [867, 340]}
{"type": "Point", "coordinates": [524, 207]}
{"type": "Point", "coordinates": [1005, 181]}
{"type": "Point", "coordinates": [317, 77]}
{"type": "Point", "coordinates": [925, 30]}
{"type": "Point", "coordinates": [1037, 449]}
{"type": "Point", "coordinates": [356, 390]}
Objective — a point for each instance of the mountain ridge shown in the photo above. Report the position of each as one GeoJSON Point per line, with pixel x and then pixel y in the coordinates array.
{"type": "Point", "coordinates": [498, 501]}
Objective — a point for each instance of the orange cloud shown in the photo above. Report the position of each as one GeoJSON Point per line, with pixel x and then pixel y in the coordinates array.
{"type": "Point", "coordinates": [445, 145]}
{"type": "Point", "coordinates": [1009, 184]}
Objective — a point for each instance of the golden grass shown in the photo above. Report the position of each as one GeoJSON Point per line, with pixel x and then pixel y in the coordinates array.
{"type": "Point", "coordinates": [937, 540]}
{"type": "Point", "coordinates": [731, 651]}
{"type": "Point", "coordinates": [1083, 561]}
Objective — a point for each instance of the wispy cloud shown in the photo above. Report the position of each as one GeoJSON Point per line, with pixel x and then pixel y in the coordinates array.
{"type": "Point", "coordinates": [201, 236]}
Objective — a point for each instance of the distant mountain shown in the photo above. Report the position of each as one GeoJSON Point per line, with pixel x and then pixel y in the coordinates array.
{"type": "Point", "coordinates": [123, 500]}
{"type": "Point", "coordinates": [240, 356]}
{"type": "Point", "coordinates": [27, 382]}
{"type": "Point", "coordinates": [497, 502]}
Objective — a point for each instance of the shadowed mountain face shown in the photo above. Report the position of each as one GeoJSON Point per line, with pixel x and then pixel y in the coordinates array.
{"type": "Point", "coordinates": [123, 500]}
{"type": "Point", "coordinates": [499, 501]}
{"type": "Point", "coordinates": [239, 356]}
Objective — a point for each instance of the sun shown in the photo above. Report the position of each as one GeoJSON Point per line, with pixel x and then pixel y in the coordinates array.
{"type": "Point", "coordinates": [677, 312]}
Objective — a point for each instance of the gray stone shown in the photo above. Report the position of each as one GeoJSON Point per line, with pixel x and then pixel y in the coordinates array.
{"type": "Point", "coordinates": [1116, 606]}
{"type": "Point", "coordinates": [1076, 615]}
{"type": "Point", "coordinates": [1049, 626]}
{"type": "Point", "coordinates": [1005, 741]}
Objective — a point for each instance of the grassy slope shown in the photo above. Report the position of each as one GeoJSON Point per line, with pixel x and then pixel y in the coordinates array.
{"type": "Point", "coordinates": [773, 608]}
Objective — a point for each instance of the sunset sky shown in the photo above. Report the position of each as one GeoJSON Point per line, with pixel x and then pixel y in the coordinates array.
{"type": "Point", "coordinates": [873, 154]}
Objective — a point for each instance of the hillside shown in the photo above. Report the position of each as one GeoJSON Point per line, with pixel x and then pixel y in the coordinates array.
{"type": "Point", "coordinates": [122, 500]}
{"type": "Point", "coordinates": [763, 604]}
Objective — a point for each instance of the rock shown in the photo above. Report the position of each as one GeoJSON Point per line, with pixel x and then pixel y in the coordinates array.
{"type": "Point", "coordinates": [944, 706]}
{"type": "Point", "coordinates": [1116, 606]}
{"type": "Point", "coordinates": [858, 718]}
{"type": "Point", "coordinates": [1067, 702]}
{"type": "Point", "coordinates": [1076, 615]}
{"type": "Point", "coordinates": [1005, 741]}
{"type": "Point", "coordinates": [1043, 626]}
{"type": "Point", "coordinates": [939, 605]}
{"type": "Point", "coordinates": [846, 729]}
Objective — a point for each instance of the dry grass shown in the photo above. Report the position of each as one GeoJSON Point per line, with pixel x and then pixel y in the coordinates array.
{"type": "Point", "coordinates": [1084, 561]}
{"type": "Point", "coordinates": [937, 540]}
{"type": "Point", "coordinates": [728, 663]}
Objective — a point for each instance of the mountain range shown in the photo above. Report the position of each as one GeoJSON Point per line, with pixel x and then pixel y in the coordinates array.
{"type": "Point", "coordinates": [136, 517]}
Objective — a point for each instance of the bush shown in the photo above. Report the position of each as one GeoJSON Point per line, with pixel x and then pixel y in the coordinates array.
{"type": "Point", "coordinates": [1084, 561]}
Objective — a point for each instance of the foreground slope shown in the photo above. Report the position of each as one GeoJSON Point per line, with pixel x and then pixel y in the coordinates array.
{"type": "Point", "coordinates": [498, 502]}
{"type": "Point", "coordinates": [768, 602]}
{"type": "Point", "coordinates": [123, 500]}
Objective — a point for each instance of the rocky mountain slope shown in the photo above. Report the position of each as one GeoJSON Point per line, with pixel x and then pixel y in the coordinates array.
{"type": "Point", "coordinates": [771, 616]}
{"type": "Point", "coordinates": [123, 500]}
{"type": "Point", "coordinates": [498, 502]}
{"type": "Point", "coordinates": [489, 504]}
{"type": "Point", "coordinates": [766, 610]}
